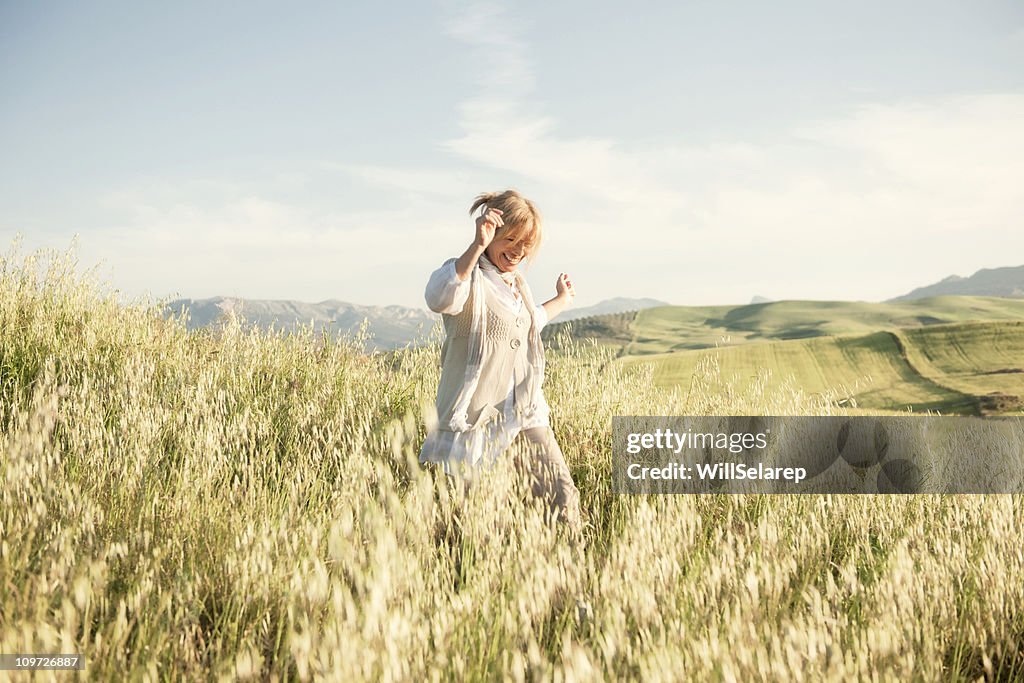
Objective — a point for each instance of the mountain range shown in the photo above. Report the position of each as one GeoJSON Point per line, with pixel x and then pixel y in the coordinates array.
{"type": "Point", "coordinates": [389, 327]}
{"type": "Point", "coordinates": [1008, 282]}
{"type": "Point", "coordinates": [392, 327]}
{"type": "Point", "coordinates": [608, 307]}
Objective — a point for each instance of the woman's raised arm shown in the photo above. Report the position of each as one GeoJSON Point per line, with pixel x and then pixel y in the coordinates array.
{"type": "Point", "coordinates": [445, 292]}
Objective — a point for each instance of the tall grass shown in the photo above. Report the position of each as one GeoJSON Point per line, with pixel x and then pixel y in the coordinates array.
{"type": "Point", "coordinates": [237, 504]}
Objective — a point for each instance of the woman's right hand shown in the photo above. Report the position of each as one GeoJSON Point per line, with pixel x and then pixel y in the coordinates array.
{"type": "Point", "coordinates": [487, 224]}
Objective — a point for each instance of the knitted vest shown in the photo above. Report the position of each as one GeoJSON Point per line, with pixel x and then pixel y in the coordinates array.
{"type": "Point", "coordinates": [505, 357]}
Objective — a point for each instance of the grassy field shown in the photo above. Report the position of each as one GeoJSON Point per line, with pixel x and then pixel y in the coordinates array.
{"type": "Point", "coordinates": [236, 505]}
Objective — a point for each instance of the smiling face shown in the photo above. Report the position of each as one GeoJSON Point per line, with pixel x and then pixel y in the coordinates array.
{"type": "Point", "coordinates": [508, 250]}
{"type": "Point", "coordinates": [522, 233]}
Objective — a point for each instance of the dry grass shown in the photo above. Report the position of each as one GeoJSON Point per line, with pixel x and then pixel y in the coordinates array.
{"type": "Point", "coordinates": [244, 505]}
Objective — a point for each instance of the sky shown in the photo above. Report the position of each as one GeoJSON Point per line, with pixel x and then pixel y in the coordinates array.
{"type": "Point", "coordinates": [699, 153]}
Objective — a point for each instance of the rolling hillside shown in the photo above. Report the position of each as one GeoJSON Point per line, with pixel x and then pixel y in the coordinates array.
{"type": "Point", "coordinates": [950, 354]}
{"type": "Point", "coordinates": [965, 368]}
{"type": "Point", "coordinates": [674, 328]}
{"type": "Point", "coordinates": [662, 329]}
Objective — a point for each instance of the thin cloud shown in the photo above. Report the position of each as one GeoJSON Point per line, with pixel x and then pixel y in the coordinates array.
{"type": "Point", "coordinates": [502, 129]}
{"type": "Point", "coordinates": [435, 182]}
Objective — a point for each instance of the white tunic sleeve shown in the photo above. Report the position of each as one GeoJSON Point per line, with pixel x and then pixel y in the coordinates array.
{"type": "Point", "coordinates": [445, 292]}
{"type": "Point", "coordinates": [542, 317]}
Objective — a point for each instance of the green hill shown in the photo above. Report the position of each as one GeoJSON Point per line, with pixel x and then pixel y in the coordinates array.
{"type": "Point", "coordinates": [983, 359]}
{"type": "Point", "coordinates": [954, 354]}
{"type": "Point", "coordinates": [965, 368]}
{"type": "Point", "coordinates": [668, 328]}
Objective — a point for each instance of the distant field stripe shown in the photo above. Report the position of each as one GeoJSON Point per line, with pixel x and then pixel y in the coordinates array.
{"type": "Point", "coordinates": [976, 358]}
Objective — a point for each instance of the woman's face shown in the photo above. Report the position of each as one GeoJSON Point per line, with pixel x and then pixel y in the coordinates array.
{"type": "Point", "coordinates": [507, 254]}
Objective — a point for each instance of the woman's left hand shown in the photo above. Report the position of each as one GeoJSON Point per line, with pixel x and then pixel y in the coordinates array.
{"type": "Point", "coordinates": [563, 287]}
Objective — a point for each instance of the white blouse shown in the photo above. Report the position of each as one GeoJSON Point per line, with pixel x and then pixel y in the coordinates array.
{"type": "Point", "coordinates": [446, 293]}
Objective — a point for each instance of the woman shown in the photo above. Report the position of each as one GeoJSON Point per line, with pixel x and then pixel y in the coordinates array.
{"type": "Point", "coordinates": [492, 360]}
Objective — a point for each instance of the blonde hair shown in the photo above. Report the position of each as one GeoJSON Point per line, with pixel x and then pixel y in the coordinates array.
{"type": "Point", "coordinates": [522, 219]}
